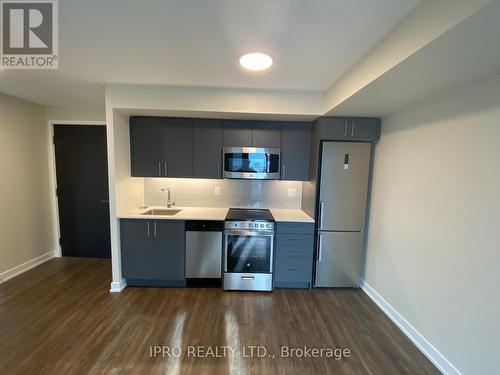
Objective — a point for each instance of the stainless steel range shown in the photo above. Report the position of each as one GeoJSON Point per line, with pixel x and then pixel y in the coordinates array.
{"type": "Point", "coordinates": [248, 250]}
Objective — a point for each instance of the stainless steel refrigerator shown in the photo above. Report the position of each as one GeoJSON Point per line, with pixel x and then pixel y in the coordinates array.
{"type": "Point", "coordinates": [343, 188]}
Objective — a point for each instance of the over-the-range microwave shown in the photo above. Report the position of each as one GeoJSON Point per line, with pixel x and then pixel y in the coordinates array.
{"type": "Point", "coordinates": [251, 163]}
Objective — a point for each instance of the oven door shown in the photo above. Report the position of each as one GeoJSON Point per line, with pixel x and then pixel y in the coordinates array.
{"type": "Point", "coordinates": [248, 252]}
{"type": "Point", "coordinates": [251, 163]}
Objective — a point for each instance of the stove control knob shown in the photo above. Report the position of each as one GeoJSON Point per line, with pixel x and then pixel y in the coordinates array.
{"type": "Point", "coordinates": [268, 225]}
{"type": "Point", "coordinates": [262, 225]}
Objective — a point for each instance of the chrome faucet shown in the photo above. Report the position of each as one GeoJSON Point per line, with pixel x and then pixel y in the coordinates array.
{"type": "Point", "coordinates": [170, 202]}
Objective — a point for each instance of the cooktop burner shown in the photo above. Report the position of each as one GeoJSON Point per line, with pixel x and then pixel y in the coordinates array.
{"type": "Point", "coordinates": [249, 214]}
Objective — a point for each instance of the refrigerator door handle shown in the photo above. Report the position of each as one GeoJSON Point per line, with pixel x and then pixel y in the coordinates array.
{"type": "Point", "coordinates": [320, 224]}
{"type": "Point", "coordinates": [320, 247]}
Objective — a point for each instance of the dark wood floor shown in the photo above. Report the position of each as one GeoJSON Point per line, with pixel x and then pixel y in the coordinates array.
{"type": "Point", "coordinates": [61, 318]}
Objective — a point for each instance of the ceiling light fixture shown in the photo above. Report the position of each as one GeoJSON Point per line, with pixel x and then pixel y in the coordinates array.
{"type": "Point", "coordinates": [256, 61]}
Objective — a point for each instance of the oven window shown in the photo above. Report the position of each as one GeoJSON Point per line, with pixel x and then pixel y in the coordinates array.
{"type": "Point", "coordinates": [248, 254]}
{"type": "Point", "coordinates": [251, 163]}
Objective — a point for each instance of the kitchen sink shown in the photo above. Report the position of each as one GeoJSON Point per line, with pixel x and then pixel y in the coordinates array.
{"type": "Point", "coordinates": [162, 212]}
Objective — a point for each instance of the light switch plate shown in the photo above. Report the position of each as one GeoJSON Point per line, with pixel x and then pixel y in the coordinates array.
{"type": "Point", "coordinates": [217, 190]}
{"type": "Point", "coordinates": [292, 193]}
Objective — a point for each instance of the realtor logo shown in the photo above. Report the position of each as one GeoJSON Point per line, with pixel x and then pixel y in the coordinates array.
{"type": "Point", "coordinates": [29, 35]}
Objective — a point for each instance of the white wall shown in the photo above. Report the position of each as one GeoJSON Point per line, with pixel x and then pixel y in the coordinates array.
{"type": "Point", "coordinates": [185, 101]}
{"type": "Point", "coordinates": [25, 207]}
{"type": "Point", "coordinates": [125, 192]}
{"type": "Point", "coordinates": [433, 248]}
{"type": "Point", "coordinates": [75, 114]}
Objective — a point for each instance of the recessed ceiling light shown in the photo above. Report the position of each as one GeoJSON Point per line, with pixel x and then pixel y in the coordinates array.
{"type": "Point", "coordinates": [256, 61]}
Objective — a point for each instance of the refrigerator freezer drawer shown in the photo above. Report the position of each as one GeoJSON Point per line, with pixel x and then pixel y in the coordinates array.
{"type": "Point", "coordinates": [338, 262]}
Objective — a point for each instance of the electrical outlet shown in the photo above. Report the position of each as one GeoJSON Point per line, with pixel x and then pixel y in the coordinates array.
{"type": "Point", "coordinates": [217, 190]}
{"type": "Point", "coordinates": [292, 193]}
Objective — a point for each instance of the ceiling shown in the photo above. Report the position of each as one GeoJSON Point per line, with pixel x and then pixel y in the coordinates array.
{"type": "Point", "coordinates": [197, 43]}
{"type": "Point", "coordinates": [466, 53]}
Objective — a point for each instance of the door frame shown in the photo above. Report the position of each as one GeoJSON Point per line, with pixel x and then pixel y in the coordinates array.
{"type": "Point", "coordinates": [56, 230]}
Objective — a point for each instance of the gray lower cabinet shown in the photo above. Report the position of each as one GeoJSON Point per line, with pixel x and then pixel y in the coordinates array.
{"type": "Point", "coordinates": [136, 249]}
{"type": "Point", "coordinates": [295, 151]}
{"type": "Point", "coordinates": [294, 255]}
{"type": "Point", "coordinates": [207, 148]}
{"type": "Point", "coordinates": [169, 251]}
{"type": "Point", "coordinates": [153, 252]}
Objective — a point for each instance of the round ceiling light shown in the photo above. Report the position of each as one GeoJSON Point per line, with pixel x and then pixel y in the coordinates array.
{"type": "Point", "coordinates": [256, 61]}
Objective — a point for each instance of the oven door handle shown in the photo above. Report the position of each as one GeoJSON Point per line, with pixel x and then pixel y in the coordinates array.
{"type": "Point", "coordinates": [248, 233]}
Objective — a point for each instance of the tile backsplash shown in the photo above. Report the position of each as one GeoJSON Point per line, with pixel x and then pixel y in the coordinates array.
{"type": "Point", "coordinates": [232, 193]}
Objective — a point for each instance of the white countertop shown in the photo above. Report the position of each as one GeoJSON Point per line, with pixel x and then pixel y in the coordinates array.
{"type": "Point", "coordinates": [296, 215]}
{"type": "Point", "coordinates": [187, 213]}
{"type": "Point", "coordinates": [213, 213]}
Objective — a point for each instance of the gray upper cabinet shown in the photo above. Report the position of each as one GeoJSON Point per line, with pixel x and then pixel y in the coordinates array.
{"type": "Point", "coordinates": [161, 147]}
{"type": "Point", "coordinates": [366, 129]}
{"type": "Point", "coordinates": [237, 134]}
{"type": "Point", "coordinates": [207, 148]}
{"type": "Point", "coordinates": [295, 151]}
{"type": "Point", "coordinates": [178, 146]}
{"type": "Point", "coordinates": [349, 128]}
{"type": "Point", "coordinates": [252, 134]}
{"type": "Point", "coordinates": [266, 134]}
{"type": "Point", "coordinates": [185, 147]}
{"type": "Point", "coordinates": [146, 146]}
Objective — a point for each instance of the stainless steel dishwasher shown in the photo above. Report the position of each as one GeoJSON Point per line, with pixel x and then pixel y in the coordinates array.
{"type": "Point", "coordinates": [204, 253]}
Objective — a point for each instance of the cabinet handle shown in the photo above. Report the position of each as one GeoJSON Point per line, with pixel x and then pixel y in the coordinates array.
{"type": "Point", "coordinates": [155, 227]}
{"type": "Point", "coordinates": [159, 169]}
{"type": "Point", "coordinates": [218, 170]}
{"type": "Point", "coordinates": [284, 169]}
{"type": "Point", "coordinates": [166, 168]}
{"type": "Point", "coordinates": [148, 228]}
{"type": "Point", "coordinates": [345, 129]}
{"type": "Point", "coordinates": [352, 129]}
{"type": "Point", "coordinates": [320, 248]}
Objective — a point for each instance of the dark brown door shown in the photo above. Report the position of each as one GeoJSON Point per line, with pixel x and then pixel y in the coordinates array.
{"type": "Point", "coordinates": [82, 190]}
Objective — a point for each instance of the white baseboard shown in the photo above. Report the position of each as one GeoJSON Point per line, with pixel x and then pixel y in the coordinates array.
{"type": "Point", "coordinates": [118, 286]}
{"type": "Point", "coordinates": [439, 360]}
{"type": "Point", "coordinates": [17, 270]}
